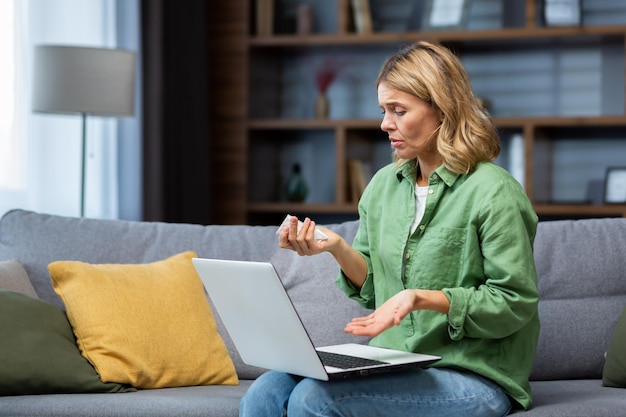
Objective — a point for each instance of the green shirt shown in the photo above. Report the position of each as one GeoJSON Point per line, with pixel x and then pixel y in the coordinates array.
{"type": "Point", "coordinates": [475, 242]}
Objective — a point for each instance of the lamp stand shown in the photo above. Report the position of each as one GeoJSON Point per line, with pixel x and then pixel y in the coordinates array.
{"type": "Point", "coordinates": [83, 158]}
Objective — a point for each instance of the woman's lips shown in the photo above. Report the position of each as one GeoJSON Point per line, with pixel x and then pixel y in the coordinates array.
{"type": "Point", "coordinates": [395, 142]}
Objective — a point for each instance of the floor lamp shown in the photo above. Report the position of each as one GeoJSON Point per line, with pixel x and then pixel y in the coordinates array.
{"type": "Point", "coordinates": [83, 80]}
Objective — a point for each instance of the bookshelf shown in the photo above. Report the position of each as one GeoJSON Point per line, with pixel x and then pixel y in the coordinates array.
{"type": "Point", "coordinates": [561, 88]}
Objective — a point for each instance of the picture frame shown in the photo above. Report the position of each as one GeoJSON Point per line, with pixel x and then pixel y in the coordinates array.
{"type": "Point", "coordinates": [615, 185]}
{"type": "Point", "coordinates": [445, 14]}
{"type": "Point", "coordinates": [562, 12]}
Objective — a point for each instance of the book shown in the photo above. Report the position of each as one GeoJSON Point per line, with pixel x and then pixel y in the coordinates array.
{"type": "Point", "coordinates": [516, 157]}
{"type": "Point", "coordinates": [362, 15]}
{"type": "Point", "coordinates": [357, 179]}
{"type": "Point", "coordinates": [264, 17]}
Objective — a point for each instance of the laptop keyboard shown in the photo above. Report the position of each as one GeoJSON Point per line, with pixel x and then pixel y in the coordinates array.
{"type": "Point", "coordinates": [340, 361]}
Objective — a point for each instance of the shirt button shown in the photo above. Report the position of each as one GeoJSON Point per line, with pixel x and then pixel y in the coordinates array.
{"type": "Point", "coordinates": [422, 227]}
{"type": "Point", "coordinates": [431, 191]}
{"type": "Point", "coordinates": [407, 255]}
{"type": "Point", "coordinates": [435, 176]}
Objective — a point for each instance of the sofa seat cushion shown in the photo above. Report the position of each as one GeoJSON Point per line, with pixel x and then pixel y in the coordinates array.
{"type": "Point", "coordinates": [197, 401]}
{"type": "Point", "coordinates": [147, 325]}
{"type": "Point", "coordinates": [575, 398]}
{"type": "Point", "coordinates": [38, 352]}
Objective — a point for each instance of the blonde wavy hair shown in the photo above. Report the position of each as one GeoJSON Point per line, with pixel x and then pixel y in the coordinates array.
{"type": "Point", "coordinates": [432, 73]}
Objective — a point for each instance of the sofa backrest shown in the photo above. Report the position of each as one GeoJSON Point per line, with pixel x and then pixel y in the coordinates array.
{"type": "Point", "coordinates": [581, 268]}
{"type": "Point", "coordinates": [38, 239]}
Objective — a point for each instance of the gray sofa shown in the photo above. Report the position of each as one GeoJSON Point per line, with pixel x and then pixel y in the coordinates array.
{"type": "Point", "coordinates": [582, 282]}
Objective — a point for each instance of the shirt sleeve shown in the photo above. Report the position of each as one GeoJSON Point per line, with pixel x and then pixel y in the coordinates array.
{"type": "Point", "coordinates": [365, 296]}
{"type": "Point", "coordinates": [507, 298]}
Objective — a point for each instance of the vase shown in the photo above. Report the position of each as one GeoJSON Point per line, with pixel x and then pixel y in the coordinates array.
{"type": "Point", "coordinates": [296, 189]}
{"type": "Point", "coordinates": [322, 106]}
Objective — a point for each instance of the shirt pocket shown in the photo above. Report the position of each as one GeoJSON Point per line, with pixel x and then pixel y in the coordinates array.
{"type": "Point", "coordinates": [436, 260]}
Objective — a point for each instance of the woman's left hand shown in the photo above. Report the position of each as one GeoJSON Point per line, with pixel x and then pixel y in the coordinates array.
{"type": "Point", "coordinates": [386, 316]}
{"type": "Point", "coordinates": [395, 309]}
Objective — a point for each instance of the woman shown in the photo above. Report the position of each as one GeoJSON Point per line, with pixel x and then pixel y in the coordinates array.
{"type": "Point", "coordinates": [443, 254]}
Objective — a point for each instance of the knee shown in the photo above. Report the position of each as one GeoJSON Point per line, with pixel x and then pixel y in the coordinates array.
{"type": "Point", "coordinates": [268, 395]}
{"type": "Point", "coordinates": [310, 398]}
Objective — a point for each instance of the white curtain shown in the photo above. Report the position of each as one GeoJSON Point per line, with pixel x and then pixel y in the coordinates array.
{"type": "Point", "coordinates": [49, 148]}
{"type": "Point", "coordinates": [12, 145]}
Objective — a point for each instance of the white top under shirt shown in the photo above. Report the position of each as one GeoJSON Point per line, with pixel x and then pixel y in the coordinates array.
{"type": "Point", "coordinates": [420, 205]}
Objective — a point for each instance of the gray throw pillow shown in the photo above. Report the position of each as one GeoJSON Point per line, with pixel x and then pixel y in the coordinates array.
{"type": "Point", "coordinates": [13, 277]}
{"type": "Point", "coordinates": [614, 372]}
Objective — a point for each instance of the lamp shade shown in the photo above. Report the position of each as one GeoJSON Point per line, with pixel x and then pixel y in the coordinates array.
{"type": "Point", "coordinates": [71, 79]}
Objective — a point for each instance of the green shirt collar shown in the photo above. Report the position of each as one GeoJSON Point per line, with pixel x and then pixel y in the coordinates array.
{"type": "Point", "coordinates": [409, 169]}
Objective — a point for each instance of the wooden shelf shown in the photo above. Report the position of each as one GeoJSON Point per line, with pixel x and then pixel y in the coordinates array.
{"type": "Point", "coordinates": [562, 121]}
{"type": "Point", "coordinates": [542, 209]}
{"type": "Point", "coordinates": [499, 36]}
{"type": "Point", "coordinates": [300, 207]}
{"type": "Point", "coordinates": [503, 122]}
{"type": "Point", "coordinates": [605, 210]}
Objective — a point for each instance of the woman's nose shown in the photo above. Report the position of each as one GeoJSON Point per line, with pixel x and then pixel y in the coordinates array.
{"type": "Point", "coordinates": [385, 123]}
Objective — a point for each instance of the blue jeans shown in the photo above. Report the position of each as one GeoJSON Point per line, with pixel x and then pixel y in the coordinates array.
{"type": "Point", "coordinates": [433, 392]}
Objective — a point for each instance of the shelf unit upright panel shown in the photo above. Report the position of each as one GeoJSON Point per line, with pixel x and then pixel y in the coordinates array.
{"type": "Point", "coordinates": [358, 135]}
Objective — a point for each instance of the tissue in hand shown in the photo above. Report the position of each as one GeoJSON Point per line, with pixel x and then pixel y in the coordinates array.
{"type": "Point", "coordinates": [319, 235]}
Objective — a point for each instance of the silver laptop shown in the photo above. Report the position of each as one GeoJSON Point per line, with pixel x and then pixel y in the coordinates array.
{"type": "Point", "coordinates": [261, 320]}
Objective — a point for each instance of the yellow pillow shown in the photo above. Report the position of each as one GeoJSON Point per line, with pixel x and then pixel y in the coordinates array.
{"type": "Point", "coordinates": [147, 325]}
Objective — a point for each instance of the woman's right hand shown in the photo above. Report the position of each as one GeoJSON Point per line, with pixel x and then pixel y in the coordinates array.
{"type": "Point", "coordinates": [303, 241]}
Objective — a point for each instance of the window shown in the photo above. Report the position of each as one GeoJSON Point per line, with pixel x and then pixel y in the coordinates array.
{"type": "Point", "coordinates": [40, 153]}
